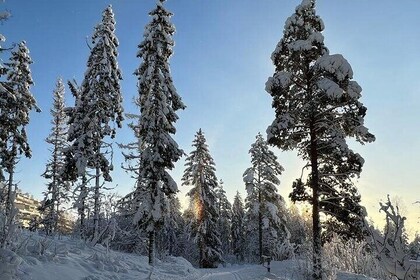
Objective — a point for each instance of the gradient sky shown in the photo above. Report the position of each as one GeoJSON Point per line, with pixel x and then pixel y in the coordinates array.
{"type": "Point", "coordinates": [220, 66]}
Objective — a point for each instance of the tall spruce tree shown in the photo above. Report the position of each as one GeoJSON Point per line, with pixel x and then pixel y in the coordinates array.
{"type": "Point", "coordinates": [317, 107]}
{"type": "Point", "coordinates": [98, 106]}
{"type": "Point", "coordinates": [200, 173]}
{"type": "Point", "coordinates": [15, 115]}
{"type": "Point", "coordinates": [57, 189]}
{"type": "Point", "coordinates": [158, 102]}
{"type": "Point", "coordinates": [225, 218]}
{"type": "Point", "coordinates": [73, 157]}
{"type": "Point", "coordinates": [238, 228]}
{"type": "Point", "coordinates": [262, 203]}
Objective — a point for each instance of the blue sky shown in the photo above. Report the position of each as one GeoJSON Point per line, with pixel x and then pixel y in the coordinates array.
{"type": "Point", "coordinates": [220, 66]}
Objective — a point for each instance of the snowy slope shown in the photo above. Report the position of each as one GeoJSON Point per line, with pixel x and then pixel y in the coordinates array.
{"type": "Point", "coordinates": [71, 259]}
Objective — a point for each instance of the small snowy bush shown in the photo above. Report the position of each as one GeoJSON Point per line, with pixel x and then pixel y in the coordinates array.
{"type": "Point", "coordinates": [9, 262]}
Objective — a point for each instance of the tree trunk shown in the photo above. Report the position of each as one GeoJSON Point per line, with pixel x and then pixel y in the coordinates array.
{"type": "Point", "coordinates": [316, 227]}
{"type": "Point", "coordinates": [171, 242]}
{"type": "Point", "coordinates": [82, 208]}
{"type": "Point", "coordinates": [152, 247]}
{"type": "Point", "coordinates": [260, 241]}
{"type": "Point", "coordinates": [54, 206]}
{"type": "Point", "coordinates": [9, 199]}
{"type": "Point", "coordinates": [201, 248]}
{"type": "Point", "coordinates": [96, 205]}
{"type": "Point", "coordinates": [11, 171]}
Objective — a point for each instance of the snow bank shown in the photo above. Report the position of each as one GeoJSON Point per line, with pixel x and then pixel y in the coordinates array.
{"type": "Point", "coordinates": [70, 259]}
{"type": "Point", "coordinates": [9, 262]}
{"type": "Point", "coordinates": [39, 257]}
{"type": "Point", "coordinates": [351, 276]}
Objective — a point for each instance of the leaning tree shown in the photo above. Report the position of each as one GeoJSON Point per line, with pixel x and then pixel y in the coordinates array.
{"type": "Point", "coordinates": [317, 108]}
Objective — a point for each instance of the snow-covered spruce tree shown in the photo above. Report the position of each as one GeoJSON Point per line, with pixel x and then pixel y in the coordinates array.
{"type": "Point", "coordinates": [15, 115]}
{"type": "Point", "coordinates": [158, 102]}
{"type": "Point", "coordinates": [224, 209]}
{"type": "Point", "coordinates": [264, 215]}
{"type": "Point", "coordinates": [317, 106]}
{"type": "Point", "coordinates": [98, 106]}
{"type": "Point", "coordinates": [73, 155]}
{"type": "Point", "coordinates": [200, 174]}
{"type": "Point", "coordinates": [57, 189]}
{"type": "Point", "coordinates": [238, 228]}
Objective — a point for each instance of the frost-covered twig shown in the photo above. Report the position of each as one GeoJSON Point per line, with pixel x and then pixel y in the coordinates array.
{"type": "Point", "coordinates": [390, 246]}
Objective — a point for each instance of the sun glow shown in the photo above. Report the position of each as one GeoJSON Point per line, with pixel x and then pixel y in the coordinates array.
{"type": "Point", "coordinates": [198, 208]}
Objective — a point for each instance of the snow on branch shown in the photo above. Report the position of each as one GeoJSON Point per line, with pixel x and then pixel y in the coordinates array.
{"type": "Point", "coordinates": [390, 247]}
{"type": "Point", "coordinates": [335, 64]}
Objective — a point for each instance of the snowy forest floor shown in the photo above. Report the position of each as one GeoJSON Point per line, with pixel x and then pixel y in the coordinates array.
{"type": "Point", "coordinates": [39, 257]}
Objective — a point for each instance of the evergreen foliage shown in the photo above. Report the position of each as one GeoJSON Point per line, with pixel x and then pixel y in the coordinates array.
{"type": "Point", "coordinates": [200, 173]}
{"type": "Point", "coordinates": [317, 108]}
{"type": "Point", "coordinates": [14, 115]}
{"type": "Point", "coordinates": [57, 189]}
{"type": "Point", "coordinates": [98, 105]}
{"type": "Point", "coordinates": [16, 102]}
{"type": "Point", "coordinates": [238, 228]}
{"type": "Point", "coordinates": [225, 218]}
{"type": "Point", "coordinates": [264, 206]}
{"type": "Point", "coordinates": [158, 101]}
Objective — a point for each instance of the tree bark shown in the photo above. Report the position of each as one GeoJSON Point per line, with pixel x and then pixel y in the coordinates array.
{"type": "Point", "coordinates": [201, 248]}
{"type": "Point", "coordinates": [96, 205]}
{"type": "Point", "coordinates": [260, 241]}
{"type": "Point", "coordinates": [82, 208]}
{"type": "Point", "coordinates": [9, 199]}
{"type": "Point", "coordinates": [11, 171]}
{"type": "Point", "coordinates": [152, 248]}
{"type": "Point", "coordinates": [171, 242]}
{"type": "Point", "coordinates": [316, 228]}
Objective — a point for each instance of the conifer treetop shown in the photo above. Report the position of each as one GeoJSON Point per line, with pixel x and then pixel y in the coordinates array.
{"type": "Point", "coordinates": [158, 101]}
{"type": "Point", "coordinates": [98, 104]}
{"type": "Point", "coordinates": [308, 81]}
{"type": "Point", "coordinates": [200, 161]}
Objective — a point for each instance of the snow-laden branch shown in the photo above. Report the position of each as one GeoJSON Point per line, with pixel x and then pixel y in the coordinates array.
{"type": "Point", "coordinates": [390, 246]}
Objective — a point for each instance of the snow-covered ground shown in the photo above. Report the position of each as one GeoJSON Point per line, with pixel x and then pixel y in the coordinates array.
{"type": "Point", "coordinates": [70, 259]}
